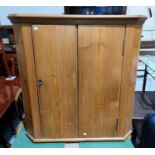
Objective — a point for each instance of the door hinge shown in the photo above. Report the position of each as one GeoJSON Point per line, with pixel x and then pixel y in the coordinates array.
{"type": "Point", "coordinates": [117, 124]}
{"type": "Point", "coordinates": [123, 42]}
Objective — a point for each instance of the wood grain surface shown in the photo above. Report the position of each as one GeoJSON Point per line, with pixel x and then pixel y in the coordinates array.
{"type": "Point", "coordinates": [130, 61]}
{"type": "Point", "coordinates": [77, 19]}
{"type": "Point", "coordinates": [100, 69]}
{"type": "Point", "coordinates": [25, 56]}
{"type": "Point", "coordinates": [55, 49]}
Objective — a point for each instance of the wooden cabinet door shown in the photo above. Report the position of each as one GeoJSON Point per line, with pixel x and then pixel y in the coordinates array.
{"type": "Point", "coordinates": [100, 69]}
{"type": "Point", "coordinates": [55, 50]}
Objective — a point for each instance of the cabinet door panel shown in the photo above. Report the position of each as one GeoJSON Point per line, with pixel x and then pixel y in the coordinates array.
{"type": "Point", "coordinates": [55, 50]}
{"type": "Point", "coordinates": [100, 69]}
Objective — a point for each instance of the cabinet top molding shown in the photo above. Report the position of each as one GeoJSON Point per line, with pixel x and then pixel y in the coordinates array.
{"type": "Point", "coordinates": [76, 19]}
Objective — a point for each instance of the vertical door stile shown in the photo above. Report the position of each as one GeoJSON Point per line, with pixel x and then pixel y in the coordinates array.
{"type": "Point", "coordinates": [123, 50]}
{"type": "Point", "coordinates": [33, 30]}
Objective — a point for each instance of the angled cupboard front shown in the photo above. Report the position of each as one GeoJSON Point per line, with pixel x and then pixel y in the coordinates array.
{"type": "Point", "coordinates": [77, 75]}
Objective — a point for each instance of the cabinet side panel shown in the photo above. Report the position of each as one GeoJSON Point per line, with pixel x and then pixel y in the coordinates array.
{"type": "Point", "coordinates": [131, 52]}
{"type": "Point", "coordinates": [27, 77]}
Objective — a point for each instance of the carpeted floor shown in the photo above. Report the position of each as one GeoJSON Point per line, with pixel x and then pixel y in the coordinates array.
{"type": "Point", "coordinates": [117, 144]}
{"type": "Point", "coordinates": [22, 141]}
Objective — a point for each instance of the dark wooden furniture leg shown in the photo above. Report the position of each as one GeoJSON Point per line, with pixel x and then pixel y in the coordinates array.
{"type": "Point", "coordinates": [145, 78]}
{"type": "Point", "coordinates": [4, 62]}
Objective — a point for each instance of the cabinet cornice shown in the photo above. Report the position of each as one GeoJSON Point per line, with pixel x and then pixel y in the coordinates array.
{"type": "Point", "coordinates": [76, 19]}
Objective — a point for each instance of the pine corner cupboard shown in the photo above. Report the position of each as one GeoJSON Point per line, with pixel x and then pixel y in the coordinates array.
{"type": "Point", "coordinates": [78, 75]}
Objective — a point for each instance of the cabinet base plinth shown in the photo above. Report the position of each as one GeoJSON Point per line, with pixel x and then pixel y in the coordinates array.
{"type": "Point", "coordinates": [38, 140]}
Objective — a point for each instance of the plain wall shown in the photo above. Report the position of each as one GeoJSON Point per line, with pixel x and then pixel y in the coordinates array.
{"type": "Point", "coordinates": [5, 10]}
